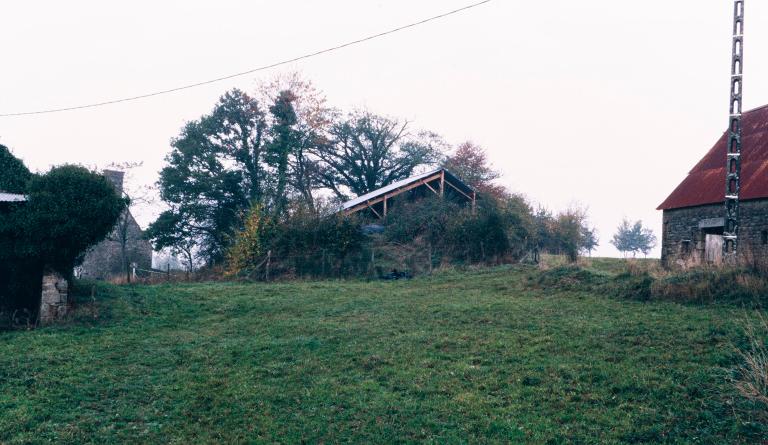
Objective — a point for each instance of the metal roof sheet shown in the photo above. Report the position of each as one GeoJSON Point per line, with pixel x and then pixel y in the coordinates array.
{"type": "Point", "coordinates": [12, 197]}
{"type": "Point", "coordinates": [403, 182]}
{"type": "Point", "coordinates": [705, 183]}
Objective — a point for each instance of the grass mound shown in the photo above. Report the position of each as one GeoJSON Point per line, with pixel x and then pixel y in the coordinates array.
{"type": "Point", "coordinates": [570, 277]}
{"type": "Point", "coordinates": [646, 281]}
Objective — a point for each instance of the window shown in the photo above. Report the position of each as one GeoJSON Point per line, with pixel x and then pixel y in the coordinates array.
{"type": "Point", "coordinates": [685, 247]}
{"type": "Point", "coordinates": [764, 237]}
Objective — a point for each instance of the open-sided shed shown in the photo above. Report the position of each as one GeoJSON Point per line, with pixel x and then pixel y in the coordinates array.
{"type": "Point", "coordinates": [440, 182]}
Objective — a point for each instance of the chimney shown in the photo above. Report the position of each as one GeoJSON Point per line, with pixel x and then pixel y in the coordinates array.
{"type": "Point", "coordinates": [116, 178]}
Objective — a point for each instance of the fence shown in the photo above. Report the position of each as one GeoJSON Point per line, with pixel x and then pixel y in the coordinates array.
{"type": "Point", "coordinates": [390, 261]}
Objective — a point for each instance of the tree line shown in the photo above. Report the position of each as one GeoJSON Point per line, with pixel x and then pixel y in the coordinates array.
{"type": "Point", "coordinates": [260, 165]}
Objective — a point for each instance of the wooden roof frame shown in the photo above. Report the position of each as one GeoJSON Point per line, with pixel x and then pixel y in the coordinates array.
{"type": "Point", "coordinates": [445, 177]}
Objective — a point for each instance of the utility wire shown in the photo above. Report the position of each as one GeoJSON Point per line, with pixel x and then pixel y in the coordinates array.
{"type": "Point", "coordinates": [251, 71]}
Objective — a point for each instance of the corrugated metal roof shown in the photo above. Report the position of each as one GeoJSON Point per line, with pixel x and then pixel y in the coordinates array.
{"type": "Point", "coordinates": [11, 197]}
{"type": "Point", "coordinates": [402, 183]}
{"type": "Point", "coordinates": [705, 184]}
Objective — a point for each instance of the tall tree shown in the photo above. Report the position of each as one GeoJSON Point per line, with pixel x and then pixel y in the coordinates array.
{"type": "Point", "coordinates": [284, 139]}
{"type": "Point", "coordinates": [313, 118]}
{"type": "Point", "coordinates": [365, 152]}
{"type": "Point", "coordinates": [470, 163]}
{"type": "Point", "coordinates": [215, 172]}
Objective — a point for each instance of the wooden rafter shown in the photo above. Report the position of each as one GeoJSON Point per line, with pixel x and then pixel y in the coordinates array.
{"type": "Point", "coordinates": [391, 194]}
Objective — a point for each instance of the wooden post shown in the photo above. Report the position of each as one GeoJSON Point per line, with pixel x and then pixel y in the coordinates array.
{"type": "Point", "coordinates": [373, 260]}
{"type": "Point", "coordinates": [442, 183]}
{"type": "Point", "coordinates": [168, 271]}
{"type": "Point", "coordinates": [322, 266]}
{"type": "Point", "coordinates": [474, 203]}
{"type": "Point", "coordinates": [385, 206]}
{"type": "Point", "coordinates": [429, 253]}
{"type": "Point", "coordinates": [269, 263]}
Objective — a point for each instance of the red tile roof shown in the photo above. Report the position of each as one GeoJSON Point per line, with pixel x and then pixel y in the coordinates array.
{"type": "Point", "coordinates": [705, 184]}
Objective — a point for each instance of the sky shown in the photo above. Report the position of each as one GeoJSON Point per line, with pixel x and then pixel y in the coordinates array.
{"type": "Point", "coordinates": [597, 103]}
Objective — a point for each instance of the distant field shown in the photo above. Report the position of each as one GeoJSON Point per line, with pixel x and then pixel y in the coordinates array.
{"type": "Point", "coordinates": [461, 357]}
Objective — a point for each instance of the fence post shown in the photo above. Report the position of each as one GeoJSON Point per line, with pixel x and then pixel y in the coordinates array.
{"type": "Point", "coordinates": [373, 261]}
{"type": "Point", "coordinates": [429, 255]}
{"type": "Point", "coordinates": [322, 267]}
{"type": "Point", "coordinates": [269, 263]}
{"type": "Point", "coordinates": [168, 271]}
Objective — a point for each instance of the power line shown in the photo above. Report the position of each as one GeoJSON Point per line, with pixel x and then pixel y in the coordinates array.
{"type": "Point", "coordinates": [251, 71]}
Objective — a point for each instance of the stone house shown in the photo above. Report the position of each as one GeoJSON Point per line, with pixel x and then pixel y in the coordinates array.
{"type": "Point", "coordinates": [126, 244]}
{"type": "Point", "coordinates": [694, 213]}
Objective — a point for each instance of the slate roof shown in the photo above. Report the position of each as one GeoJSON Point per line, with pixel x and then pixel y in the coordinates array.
{"type": "Point", "coordinates": [12, 197]}
{"type": "Point", "coordinates": [705, 183]}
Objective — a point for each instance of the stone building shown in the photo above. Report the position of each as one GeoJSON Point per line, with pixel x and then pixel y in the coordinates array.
{"type": "Point", "coordinates": [694, 214]}
{"type": "Point", "coordinates": [106, 259]}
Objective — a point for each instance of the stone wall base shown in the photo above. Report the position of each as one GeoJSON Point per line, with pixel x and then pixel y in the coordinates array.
{"type": "Point", "coordinates": [54, 303]}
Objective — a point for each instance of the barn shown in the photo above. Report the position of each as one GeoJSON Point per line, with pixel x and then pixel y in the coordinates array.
{"type": "Point", "coordinates": [693, 220]}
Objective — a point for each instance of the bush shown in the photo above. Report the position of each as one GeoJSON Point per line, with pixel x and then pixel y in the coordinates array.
{"type": "Point", "coordinates": [713, 286]}
{"type": "Point", "coordinates": [750, 377]}
{"type": "Point", "coordinates": [303, 243]}
{"type": "Point", "coordinates": [496, 232]}
{"type": "Point", "coordinates": [15, 175]}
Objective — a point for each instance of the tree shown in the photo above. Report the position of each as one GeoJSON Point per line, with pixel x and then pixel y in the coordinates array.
{"type": "Point", "coordinates": [470, 163]}
{"type": "Point", "coordinates": [68, 210]}
{"type": "Point", "coordinates": [15, 175]}
{"type": "Point", "coordinates": [313, 117]}
{"type": "Point", "coordinates": [283, 143]}
{"type": "Point", "coordinates": [589, 239]}
{"type": "Point", "coordinates": [365, 152]}
{"type": "Point", "coordinates": [215, 171]}
{"type": "Point", "coordinates": [172, 232]}
{"type": "Point", "coordinates": [568, 231]}
{"type": "Point", "coordinates": [634, 238]}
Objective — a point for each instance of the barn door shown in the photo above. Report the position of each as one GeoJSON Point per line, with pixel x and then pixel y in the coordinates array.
{"type": "Point", "coordinates": [713, 249]}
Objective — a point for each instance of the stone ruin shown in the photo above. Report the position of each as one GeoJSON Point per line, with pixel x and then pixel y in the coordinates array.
{"type": "Point", "coordinates": [54, 301]}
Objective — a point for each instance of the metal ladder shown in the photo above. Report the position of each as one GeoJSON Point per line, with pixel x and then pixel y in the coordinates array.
{"type": "Point", "coordinates": [733, 166]}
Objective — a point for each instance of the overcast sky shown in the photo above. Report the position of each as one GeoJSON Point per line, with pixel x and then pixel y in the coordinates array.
{"type": "Point", "coordinates": [600, 102]}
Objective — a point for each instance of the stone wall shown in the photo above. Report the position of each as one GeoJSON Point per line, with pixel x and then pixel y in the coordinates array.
{"type": "Point", "coordinates": [684, 233]}
{"type": "Point", "coordinates": [54, 302]}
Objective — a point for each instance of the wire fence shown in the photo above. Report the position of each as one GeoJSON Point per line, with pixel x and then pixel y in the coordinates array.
{"type": "Point", "coordinates": [388, 262]}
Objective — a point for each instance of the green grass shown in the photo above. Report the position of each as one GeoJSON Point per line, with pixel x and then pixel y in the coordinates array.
{"type": "Point", "coordinates": [461, 357]}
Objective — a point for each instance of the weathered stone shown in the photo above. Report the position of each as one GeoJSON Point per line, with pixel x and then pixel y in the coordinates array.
{"type": "Point", "coordinates": [684, 234]}
{"type": "Point", "coordinates": [54, 301]}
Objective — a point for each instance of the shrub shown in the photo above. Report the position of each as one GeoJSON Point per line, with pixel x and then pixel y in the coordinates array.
{"type": "Point", "coordinates": [750, 378]}
{"type": "Point", "coordinates": [302, 243]}
{"type": "Point", "coordinates": [712, 286]}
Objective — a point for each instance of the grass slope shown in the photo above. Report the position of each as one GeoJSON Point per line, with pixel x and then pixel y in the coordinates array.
{"type": "Point", "coordinates": [455, 358]}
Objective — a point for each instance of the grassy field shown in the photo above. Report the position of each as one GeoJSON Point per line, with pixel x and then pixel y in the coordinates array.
{"type": "Point", "coordinates": [460, 357]}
